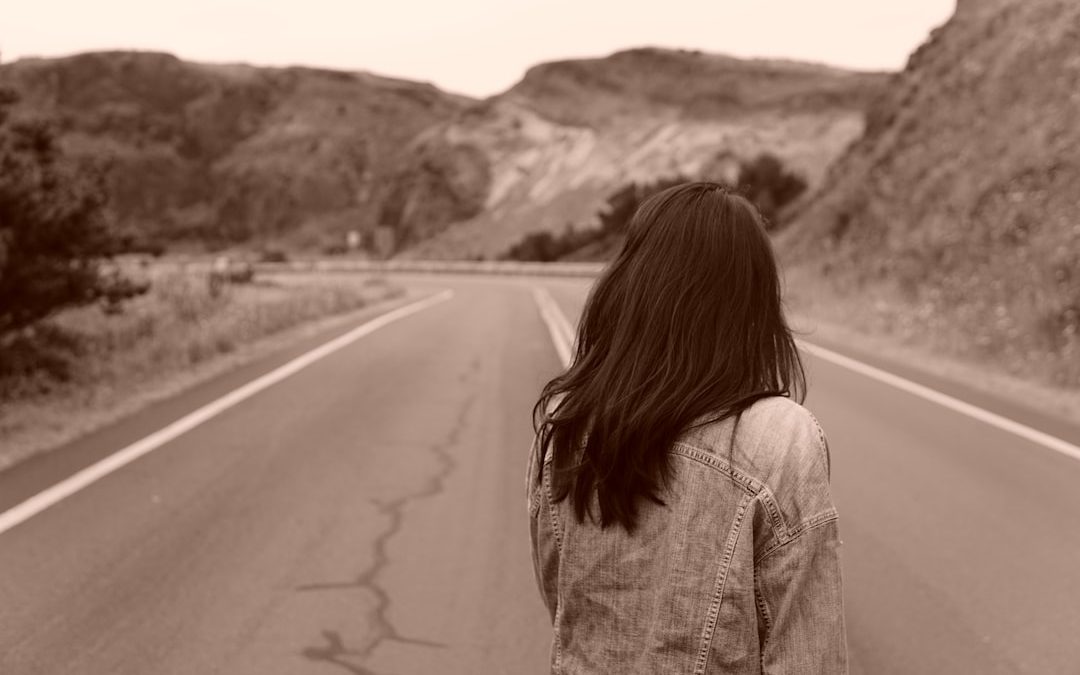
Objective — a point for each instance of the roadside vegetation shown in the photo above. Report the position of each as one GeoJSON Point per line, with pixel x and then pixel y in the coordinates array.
{"type": "Point", "coordinates": [55, 238]}
{"type": "Point", "coordinates": [90, 366]}
{"type": "Point", "coordinates": [86, 333]}
{"type": "Point", "coordinates": [764, 180]}
{"type": "Point", "coordinates": [985, 337]}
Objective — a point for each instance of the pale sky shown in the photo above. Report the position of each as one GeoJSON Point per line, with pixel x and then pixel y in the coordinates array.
{"type": "Point", "coordinates": [475, 47]}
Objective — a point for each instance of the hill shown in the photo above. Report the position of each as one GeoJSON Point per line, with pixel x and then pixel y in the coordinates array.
{"type": "Point", "coordinates": [572, 132]}
{"type": "Point", "coordinates": [960, 202]}
{"type": "Point", "coordinates": [223, 155]}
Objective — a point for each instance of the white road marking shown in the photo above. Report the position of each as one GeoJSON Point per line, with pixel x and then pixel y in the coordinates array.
{"type": "Point", "coordinates": [562, 336]}
{"type": "Point", "coordinates": [69, 486]}
{"type": "Point", "coordinates": [993, 419]}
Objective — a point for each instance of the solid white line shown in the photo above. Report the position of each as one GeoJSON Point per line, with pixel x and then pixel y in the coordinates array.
{"type": "Point", "coordinates": [562, 335]}
{"type": "Point", "coordinates": [993, 419]}
{"type": "Point", "coordinates": [69, 486]}
{"type": "Point", "coordinates": [557, 325]}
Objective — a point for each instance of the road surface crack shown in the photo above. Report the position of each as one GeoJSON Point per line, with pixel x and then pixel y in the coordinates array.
{"type": "Point", "coordinates": [383, 630]}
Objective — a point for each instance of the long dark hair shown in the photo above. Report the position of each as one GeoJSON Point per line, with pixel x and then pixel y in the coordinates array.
{"type": "Point", "coordinates": [686, 323]}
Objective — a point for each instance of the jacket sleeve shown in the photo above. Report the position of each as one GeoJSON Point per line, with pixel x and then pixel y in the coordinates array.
{"type": "Point", "coordinates": [801, 605]}
{"type": "Point", "coordinates": [797, 579]}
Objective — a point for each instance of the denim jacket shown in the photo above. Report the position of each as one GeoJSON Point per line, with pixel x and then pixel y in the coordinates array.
{"type": "Point", "coordinates": [738, 572]}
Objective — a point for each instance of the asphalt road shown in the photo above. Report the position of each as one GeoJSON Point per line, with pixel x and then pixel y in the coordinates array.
{"type": "Point", "coordinates": [366, 515]}
{"type": "Point", "coordinates": [961, 542]}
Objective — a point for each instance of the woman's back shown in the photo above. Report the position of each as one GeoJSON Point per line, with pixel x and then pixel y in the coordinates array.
{"type": "Point", "coordinates": [681, 517]}
{"type": "Point", "coordinates": [736, 573]}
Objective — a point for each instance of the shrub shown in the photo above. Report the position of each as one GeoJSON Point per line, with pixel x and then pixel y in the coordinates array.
{"type": "Point", "coordinates": [240, 273]}
{"type": "Point", "coordinates": [35, 358]}
{"type": "Point", "coordinates": [536, 247]}
{"type": "Point", "coordinates": [614, 219]}
{"type": "Point", "coordinates": [766, 182]}
{"type": "Point", "coordinates": [624, 202]}
{"type": "Point", "coordinates": [53, 233]}
{"type": "Point", "coordinates": [273, 255]}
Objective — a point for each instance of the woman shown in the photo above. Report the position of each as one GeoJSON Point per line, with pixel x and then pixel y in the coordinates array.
{"type": "Point", "coordinates": [679, 498]}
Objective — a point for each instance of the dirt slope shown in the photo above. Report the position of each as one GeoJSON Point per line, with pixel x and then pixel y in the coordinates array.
{"type": "Point", "coordinates": [572, 132]}
{"type": "Point", "coordinates": [962, 200]}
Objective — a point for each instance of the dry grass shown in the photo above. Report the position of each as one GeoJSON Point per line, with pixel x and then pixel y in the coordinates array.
{"type": "Point", "coordinates": [881, 319]}
{"type": "Point", "coordinates": [171, 338]}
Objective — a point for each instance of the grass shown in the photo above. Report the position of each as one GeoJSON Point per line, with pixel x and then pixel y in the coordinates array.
{"type": "Point", "coordinates": [987, 348]}
{"type": "Point", "coordinates": [99, 367]}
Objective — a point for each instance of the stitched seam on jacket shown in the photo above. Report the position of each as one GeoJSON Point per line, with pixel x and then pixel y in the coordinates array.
{"type": "Point", "coordinates": [534, 502]}
{"type": "Point", "coordinates": [718, 593]}
{"type": "Point", "coordinates": [749, 484]}
{"type": "Point", "coordinates": [555, 532]}
{"type": "Point", "coordinates": [533, 483]}
{"type": "Point", "coordinates": [823, 518]}
{"type": "Point", "coordinates": [824, 442]}
{"type": "Point", "coordinates": [552, 516]}
{"type": "Point", "coordinates": [763, 607]}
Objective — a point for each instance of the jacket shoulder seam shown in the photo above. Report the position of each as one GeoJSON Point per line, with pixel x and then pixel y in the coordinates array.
{"type": "Point", "coordinates": [748, 483]}
{"type": "Point", "coordinates": [813, 522]}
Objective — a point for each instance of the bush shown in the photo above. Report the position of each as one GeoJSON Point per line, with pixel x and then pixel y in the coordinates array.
{"type": "Point", "coordinates": [624, 203]}
{"type": "Point", "coordinates": [130, 242]}
{"type": "Point", "coordinates": [35, 358]}
{"type": "Point", "coordinates": [535, 247]}
{"type": "Point", "coordinates": [53, 233]}
{"type": "Point", "coordinates": [766, 182]}
{"type": "Point", "coordinates": [273, 255]}
{"type": "Point", "coordinates": [614, 219]}
{"type": "Point", "coordinates": [763, 180]}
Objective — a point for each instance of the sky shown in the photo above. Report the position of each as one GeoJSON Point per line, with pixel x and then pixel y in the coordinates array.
{"type": "Point", "coordinates": [474, 47]}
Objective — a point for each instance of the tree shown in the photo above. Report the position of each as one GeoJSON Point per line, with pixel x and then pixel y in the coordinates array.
{"type": "Point", "coordinates": [535, 247]}
{"type": "Point", "coordinates": [766, 182]}
{"type": "Point", "coordinates": [624, 203]}
{"type": "Point", "coordinates": [53, 232]}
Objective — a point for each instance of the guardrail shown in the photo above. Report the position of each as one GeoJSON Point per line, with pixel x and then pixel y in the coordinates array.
{"type": "Point", "coordinates": [496, 267]}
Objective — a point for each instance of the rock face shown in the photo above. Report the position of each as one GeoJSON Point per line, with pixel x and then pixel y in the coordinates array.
{"type": "Point", "coordinates": [964, 191]}
{"type": "Point", "coordinates": [238, 155]}
{"type": "Point", "coordinates": [572, 132]}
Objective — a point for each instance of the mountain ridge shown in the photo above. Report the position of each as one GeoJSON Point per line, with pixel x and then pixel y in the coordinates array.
{"type": "Point", "coordinates": [960, 200]}
{"type": "Point", "coordinates": [241, 155]}
{"type": "Point", "coordinates": [572, 132]}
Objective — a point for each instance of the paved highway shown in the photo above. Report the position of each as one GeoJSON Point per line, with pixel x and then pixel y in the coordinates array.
{"type": "Point", "coordinates": [365, 515]}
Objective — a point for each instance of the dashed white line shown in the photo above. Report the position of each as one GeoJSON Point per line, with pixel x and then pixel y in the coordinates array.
{"type": "Point", "coordinates": [69, 486]}
{"type": "Point", "coordinates": [562, 335]}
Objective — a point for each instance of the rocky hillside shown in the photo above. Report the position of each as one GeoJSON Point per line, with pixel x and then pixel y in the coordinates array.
{"type": "Point", "coordinates": [238, 155]}
{"type": "Point", "coordinates": [963, 196]}
{"type": "Point", "coordinates": [223, 154]}
{"type": "Point", "coordinates": [572, 132]}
